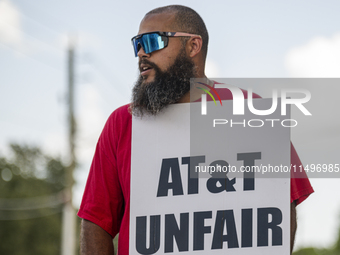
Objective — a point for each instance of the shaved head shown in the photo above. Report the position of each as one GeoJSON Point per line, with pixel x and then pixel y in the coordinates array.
{"type": "Point", "coordinates": [186, 20]}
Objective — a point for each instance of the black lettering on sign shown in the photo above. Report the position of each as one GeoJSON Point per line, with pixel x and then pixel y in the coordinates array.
{"type": "Point", "coordinates": [264, 225]}
{"type": "Point", "coordinates": [200, 229]}
{"type": "Point", "coordinates": [248, 161]}
{"type": "Point", "coordinates": [170, 167]}
{"type": "Point", "coordinates": [247, 228]}
{"type": "Point", "coordinates": [192, 162]}
{"type": "Point", "coordinates": [225, 219]}
{"type": "Point", "coordinates": [172, 231]}
{"type": "Point", "coordinates": [220, 177]}
{"type": "Point", "coordinates": [155, 229]}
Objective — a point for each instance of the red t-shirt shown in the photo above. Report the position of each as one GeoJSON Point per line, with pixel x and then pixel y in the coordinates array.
{"type": "Point", "coordinates": [106, 199]}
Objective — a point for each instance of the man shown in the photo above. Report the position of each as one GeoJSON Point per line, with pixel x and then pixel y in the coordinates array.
{"type": "Point", "coordinates": [167, 61]}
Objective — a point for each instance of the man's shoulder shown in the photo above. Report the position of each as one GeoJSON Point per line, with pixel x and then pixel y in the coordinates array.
{"type": "Point", "coordinates": [119, 119]}
{"type": "Point", "coordinates": [117, 125]}
{"type": "Point", "coordinates": [121, 114]}
{"type": "Point", "coordinates": [123, 110]}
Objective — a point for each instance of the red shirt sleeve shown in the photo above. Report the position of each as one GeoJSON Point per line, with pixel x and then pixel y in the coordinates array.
{"type": "Point", "coordinates": [103, 202]}
{"type": "Point", "coordinates": [300, 187]}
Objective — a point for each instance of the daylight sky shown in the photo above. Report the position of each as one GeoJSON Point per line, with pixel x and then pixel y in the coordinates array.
{"type": "Point", "coordinates": [255, 39]}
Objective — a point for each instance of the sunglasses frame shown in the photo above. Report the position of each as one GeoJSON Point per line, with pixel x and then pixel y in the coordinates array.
{"type": "Point", "coordinates": [164, 36]}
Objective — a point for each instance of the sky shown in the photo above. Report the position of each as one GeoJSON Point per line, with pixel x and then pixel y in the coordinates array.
{"type": "Point", "coordinates": [248, 39]}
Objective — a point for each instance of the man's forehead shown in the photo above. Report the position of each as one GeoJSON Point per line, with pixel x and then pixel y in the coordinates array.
{"type": "Point", "coordinates": [157, 22]}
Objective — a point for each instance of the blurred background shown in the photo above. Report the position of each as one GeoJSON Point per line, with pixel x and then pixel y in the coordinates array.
{"type": "Point", "coordinates": [66, 65]}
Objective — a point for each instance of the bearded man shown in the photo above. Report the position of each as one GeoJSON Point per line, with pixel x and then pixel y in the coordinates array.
{"type": "Point", "coordinates": [171, 46]}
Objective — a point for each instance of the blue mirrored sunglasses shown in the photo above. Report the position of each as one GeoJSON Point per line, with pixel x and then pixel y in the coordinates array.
{"type": "Point", "coordinates": [154, 40]}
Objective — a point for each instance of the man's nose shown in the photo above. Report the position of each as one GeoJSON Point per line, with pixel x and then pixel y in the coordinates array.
{"type": "Point", "coordinates": [141, 53]}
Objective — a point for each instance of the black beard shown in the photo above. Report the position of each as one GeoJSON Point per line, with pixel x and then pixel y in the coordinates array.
{"type": "Point", "coordinates": [167, 88]}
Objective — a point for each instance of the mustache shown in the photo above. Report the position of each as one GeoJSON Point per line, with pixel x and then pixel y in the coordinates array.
{"type": "Point", "coordinates": [147, 62]}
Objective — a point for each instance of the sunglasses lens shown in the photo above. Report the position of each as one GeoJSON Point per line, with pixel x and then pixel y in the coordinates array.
{"type": "Point", "coordinates": [149, 42]}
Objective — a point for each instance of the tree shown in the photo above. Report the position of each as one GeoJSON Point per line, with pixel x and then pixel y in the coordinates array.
{"type": "Point", "coordinates": [31, 199]}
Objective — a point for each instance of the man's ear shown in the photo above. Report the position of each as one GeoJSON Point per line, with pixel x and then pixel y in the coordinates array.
{"type": "Point", "coordinates": [194, 46]}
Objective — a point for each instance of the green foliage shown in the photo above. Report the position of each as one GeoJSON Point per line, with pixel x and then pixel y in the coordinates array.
{"type": "Point", "coordinates": [337, 244]}
{"type": "Point", "coordinates": [115, 244]}
{"type": "Point", "coordinates": [313, 251]}
{"type": "Point", "coordinates": [31, 198]}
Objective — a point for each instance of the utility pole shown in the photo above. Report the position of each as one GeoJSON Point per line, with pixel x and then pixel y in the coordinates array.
{"type": "Point", "coordinates": [69, 217]}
